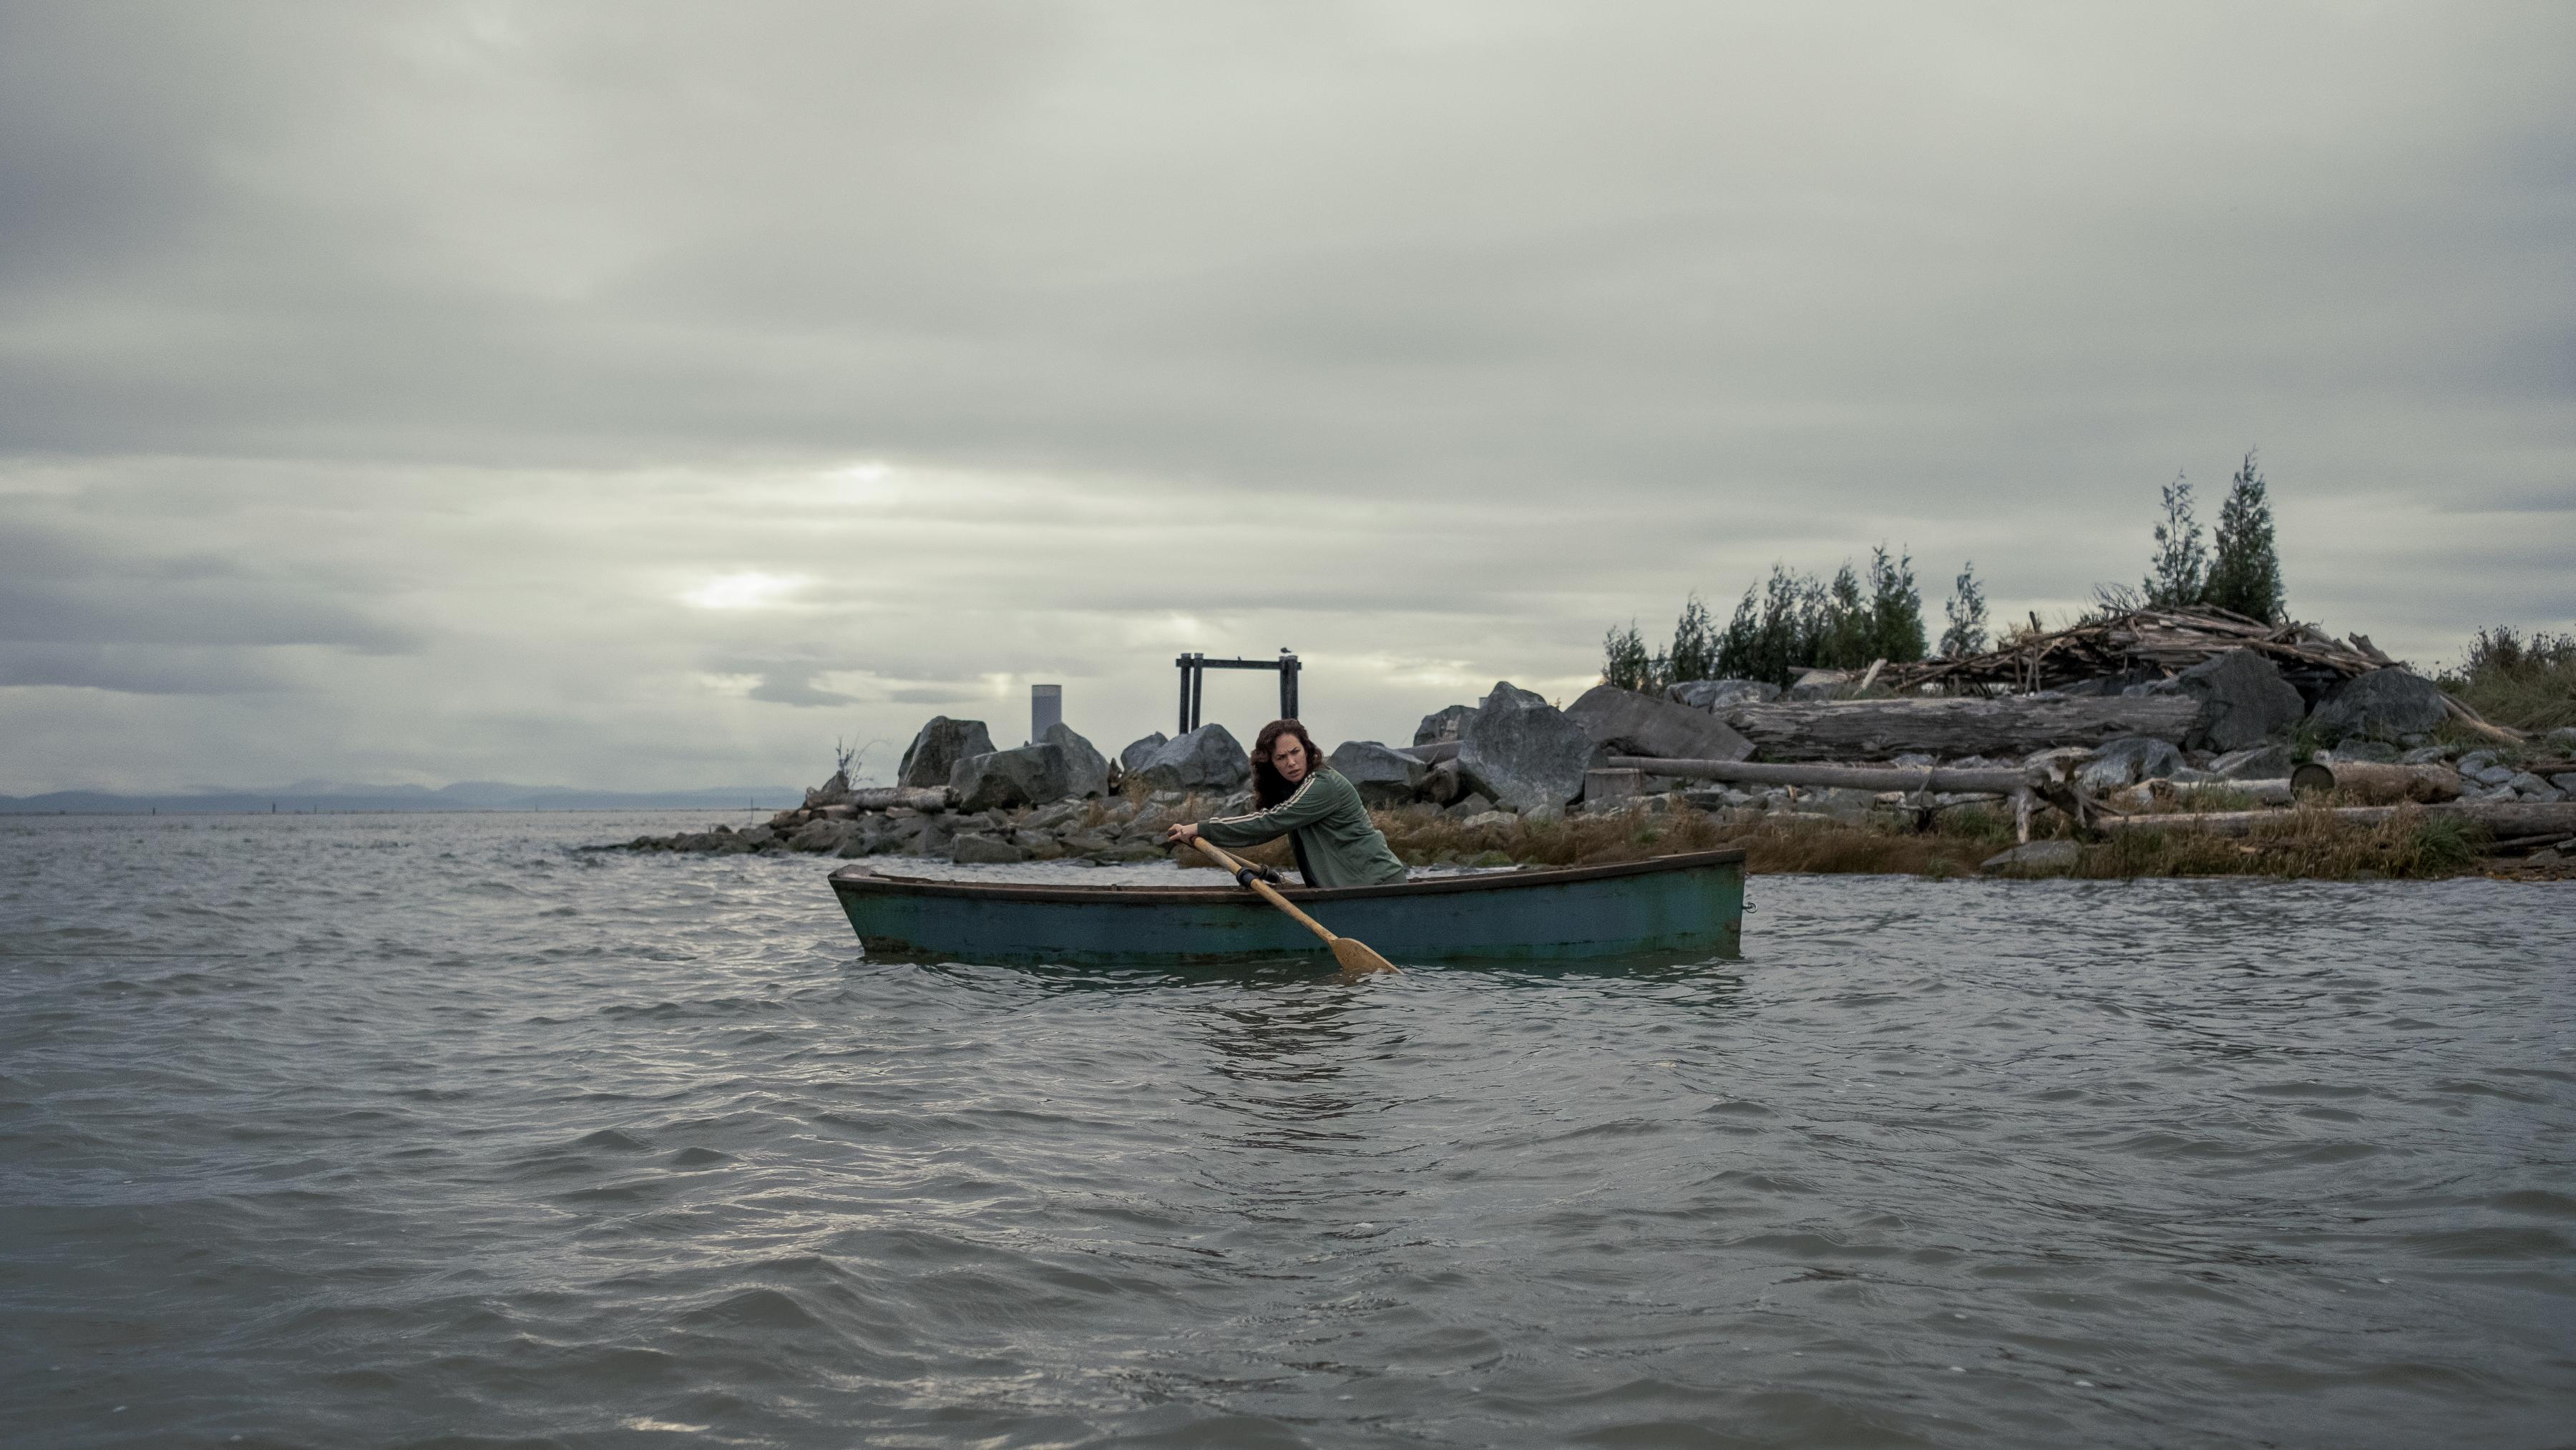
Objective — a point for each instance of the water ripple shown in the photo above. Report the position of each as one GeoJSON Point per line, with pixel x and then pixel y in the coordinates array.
{"type": "Point", "coordinates": [429, 1131]}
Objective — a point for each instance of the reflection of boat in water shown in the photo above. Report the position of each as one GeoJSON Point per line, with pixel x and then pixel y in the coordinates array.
{"type": "Point", "coordinates": [1688, 906]}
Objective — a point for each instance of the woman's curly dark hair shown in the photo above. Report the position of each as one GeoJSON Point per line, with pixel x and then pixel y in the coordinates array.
{"type": "Point", "coordinates": [1268, 787]}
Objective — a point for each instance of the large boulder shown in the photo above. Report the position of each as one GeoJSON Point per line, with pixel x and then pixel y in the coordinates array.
{"type": "Point", "coordinates": [1086, 769]}
{"type": "Point", "coordinates": [2243, 700]}
{"type": "Point", "coordinates": [1384, 776]}
{"type": "Point", "coordinates": [1442, 725]}
{"type": "Point", "coordinates": [1719, 696]}
{"type": "Point", "coordinates": [933, 755]}
{"type": "Point", "coordinates": [1205, 759]}
{"type": "Point", "coordinates": [1139, 751]}
{"type": "Point", "coordinates": [1061, 766]}
{"type": "Point", "coordinates": [1623, 722]}
{"type": "Point", "coordinates": [2390, 702]}
{"type": "Point", "coordinates": [1525, 753]}
{"type": "Point", "coordinates": [2126, 762]}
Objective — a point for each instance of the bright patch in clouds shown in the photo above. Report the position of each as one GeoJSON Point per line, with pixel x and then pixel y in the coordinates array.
{"type": "Point", "coordinates": [749, 589]}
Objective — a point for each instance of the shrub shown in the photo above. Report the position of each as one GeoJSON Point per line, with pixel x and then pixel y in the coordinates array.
{"type": "Point", "coordinates": [2528, 684]}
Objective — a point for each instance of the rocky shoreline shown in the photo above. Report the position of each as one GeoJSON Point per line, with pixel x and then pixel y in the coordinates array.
{"type": "Point", "coordinates": [2225, 733]}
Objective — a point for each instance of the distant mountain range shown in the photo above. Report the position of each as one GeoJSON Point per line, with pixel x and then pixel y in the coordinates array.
{"type": "Point", "coordinates": [469, 795]}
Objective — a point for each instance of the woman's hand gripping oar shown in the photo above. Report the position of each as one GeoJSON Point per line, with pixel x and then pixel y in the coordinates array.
{"type": "Point", "coordinates": [1355, 956]}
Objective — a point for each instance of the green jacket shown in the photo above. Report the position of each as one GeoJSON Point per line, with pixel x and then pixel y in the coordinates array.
{"type": "Point", "coordinates": [1326, 825]}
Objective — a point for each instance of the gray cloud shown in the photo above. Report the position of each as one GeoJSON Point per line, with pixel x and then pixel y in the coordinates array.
{"type": "Point", "coordinates": [421, 363]}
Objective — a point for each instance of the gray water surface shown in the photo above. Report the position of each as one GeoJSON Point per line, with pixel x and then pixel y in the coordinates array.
{"type": "Point", "coordinates": [408, 1130]}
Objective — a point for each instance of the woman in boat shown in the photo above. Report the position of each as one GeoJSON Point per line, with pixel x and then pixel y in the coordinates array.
{"type": "Point", "coordinates": [1295, 794]}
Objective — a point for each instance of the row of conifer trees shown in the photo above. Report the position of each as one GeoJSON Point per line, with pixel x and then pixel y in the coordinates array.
{"type": "Point", "coordinates": [1794, 621]}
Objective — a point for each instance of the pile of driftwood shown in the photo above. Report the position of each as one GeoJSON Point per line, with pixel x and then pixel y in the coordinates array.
{"type": "Point", "coordinates": [2139, 645]}
{"type": "Point", "coordinates": [2144, 644]}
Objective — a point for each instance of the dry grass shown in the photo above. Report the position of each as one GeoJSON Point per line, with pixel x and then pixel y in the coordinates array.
{"type": "Point", "coordinates": [2528, 684]}
{"type": "Point", "coordinates": [2303, 844]}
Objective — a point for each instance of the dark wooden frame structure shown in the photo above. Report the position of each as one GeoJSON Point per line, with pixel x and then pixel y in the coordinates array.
{"type": "Point", "coordinates": [1194, 668]}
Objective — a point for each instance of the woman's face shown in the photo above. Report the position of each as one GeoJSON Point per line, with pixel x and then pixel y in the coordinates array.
{"type": "Point", "coordinates": [1288, 757]}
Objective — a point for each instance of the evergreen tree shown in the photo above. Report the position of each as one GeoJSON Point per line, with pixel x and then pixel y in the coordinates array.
{"type": "Point", "coordinates": [2180, 569]}
{"type": "Point", "coordinates": [1967, 611]}
{"type": "Point", "coordinates": [1623, 659]}
{"type": "Point", "coordinates": [1693, 655]}
{"type": "Point", "coordinates": [1895, 608]}
{"type": "Point", "coordinates": [1776, 629]}
{"type": "Point", "coordinates": [1849, 632]}
{"type": "Point", "coordinates": [2245, 574]}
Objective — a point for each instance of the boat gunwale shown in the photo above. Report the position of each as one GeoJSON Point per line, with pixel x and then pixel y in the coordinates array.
{"type": "Point", "coordinates": [859, 879]}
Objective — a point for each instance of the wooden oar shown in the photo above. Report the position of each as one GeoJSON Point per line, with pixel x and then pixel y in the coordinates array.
{"type": "Point", "coordinates": [1355, 956]}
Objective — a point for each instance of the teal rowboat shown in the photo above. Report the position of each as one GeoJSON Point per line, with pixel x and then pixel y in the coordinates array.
{"type": "Point", "coordinates": [1684, 908]}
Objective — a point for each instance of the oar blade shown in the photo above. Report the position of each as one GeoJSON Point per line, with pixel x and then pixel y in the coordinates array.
{"type": "Point", "coordinates": [1355, 957]}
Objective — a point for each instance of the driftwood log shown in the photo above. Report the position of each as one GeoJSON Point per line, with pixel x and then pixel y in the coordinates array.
{"type": "Point", "coordinates": [1998, 780]}
{"type": "Point", "coordinates": [2002, 725]}
{"type": "Point", "coordinates": [916, 797]}
{"type": "Point", "coordinates": [2361, 782]}
{"type": "Point", "coordinates": [2503, 819]}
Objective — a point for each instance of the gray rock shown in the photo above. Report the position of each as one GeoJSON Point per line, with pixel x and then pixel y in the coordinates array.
{"type": "Point", "coordinates": [1719, 696]}
{"type": "Point", "coordinates": [2531, 787]}
{"type": "Point", "coordinates": [2388, 702]}
{"type": "Point", "coordinates": [823, 835]}
{"type": "Point", "coordinates": [1384, 776]}
{"type": "Point", "coordinates": [1473, 803]}
{"type": "Point", "coordinates": [2243, 700]}
{"type": "Point", "coordinates": [1442, 725]}
{"type": "Point", "coordinates": [2426, 755]}
{"type": "Point", "coordinates": [2474, 761]}
{"type": "Point", "coordinates": [975, 848]}
{"type": "Point", "coordinates": [1442, 784]}
{"type": "Point", "coordinates": [1030, 775]}
{"type": "Point", "coordinates": [1821, 685]}
{"type": "Point", "coordinates": [1526, 754]}
{"type": "Point", "coordinates": [2492, 774]}
{"type": "Point", "coordinates": [1207, 758]}
{"type": "Point", "coordinates": [2260, 762]}
{"type": "Point", "coordinates": [938, 747]}
{"type": "Point", "coordinates": [1490, 818]}
{"type": "Point", "coordinates": [2364, 752]}
{"type": "Point", "coordinates": [1055, 817]}
{"type": "Point", "coordinates": [1623, 722]}
{"type": "Point", "coordinates": [833, 792]}
{"type": "Point", "coordinates": [2565, 780]}
{"type": "Point", "coordinates": [1139, 751]}
{"type": "Point", "coordinates": [2035, 858]}
{"type": "Point", "coordinates": [1086, 769]}
{"type": "Point", "coordinates": [2126, 762]}
{"type": "Point", "coordinates": [2562, 738]}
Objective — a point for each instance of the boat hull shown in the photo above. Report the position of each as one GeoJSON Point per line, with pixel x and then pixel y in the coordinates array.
{"type": "Point", "coordinates": [1684, 908]}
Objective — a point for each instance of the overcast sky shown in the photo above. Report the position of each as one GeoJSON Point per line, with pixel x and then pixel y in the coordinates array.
{"type": "Point", "coordinates": [643, 396]}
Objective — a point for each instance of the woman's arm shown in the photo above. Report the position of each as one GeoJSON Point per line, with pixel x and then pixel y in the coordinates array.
{"type": "Point", "coordinates": [1306, 805]}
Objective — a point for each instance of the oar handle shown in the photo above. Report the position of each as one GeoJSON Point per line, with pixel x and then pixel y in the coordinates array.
{"type": "Point", "coordinates": [1244, 874]}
